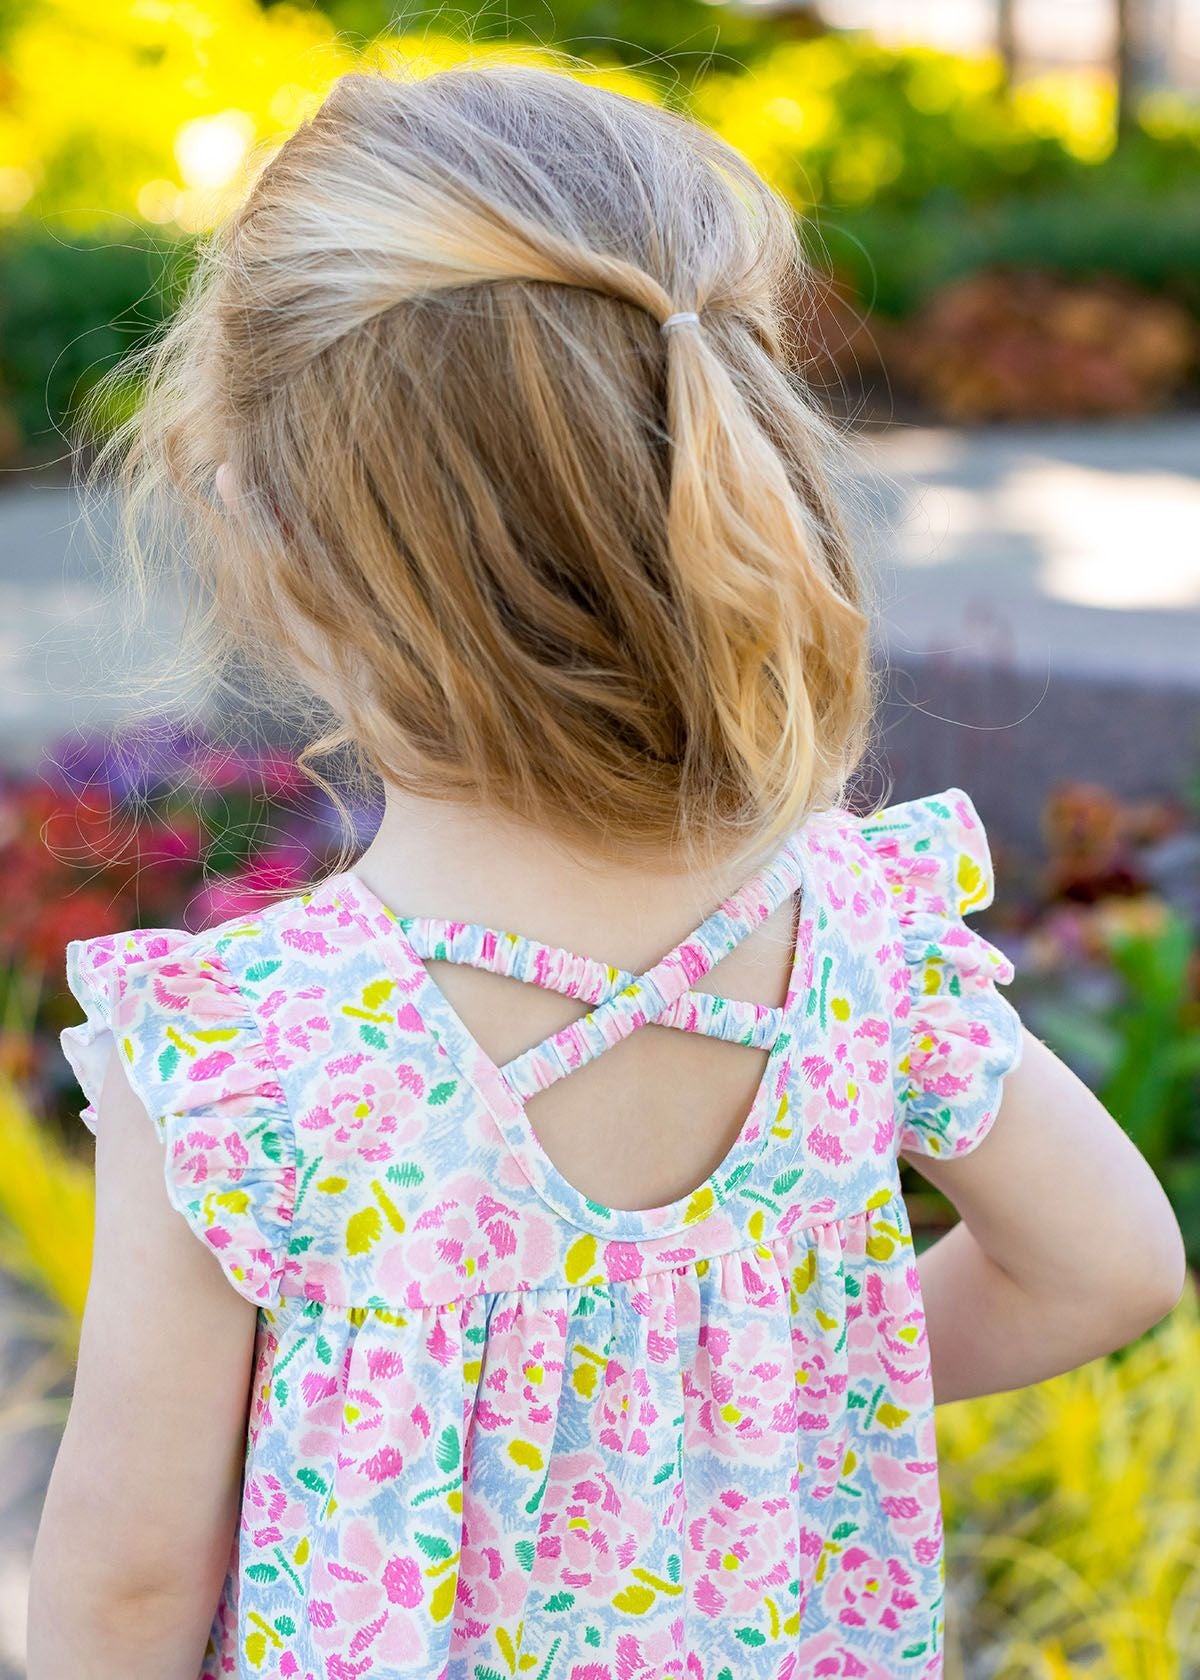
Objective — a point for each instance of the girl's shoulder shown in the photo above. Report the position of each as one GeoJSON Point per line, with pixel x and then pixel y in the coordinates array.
{"type": "Point", "coordinates": [932, 852]}
{"type": "Point", "coordinates": [928, 862]}
{"type": "Point", "coordinates": [193, 1051]}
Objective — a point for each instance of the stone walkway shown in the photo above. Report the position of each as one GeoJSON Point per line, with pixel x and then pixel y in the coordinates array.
{"type": "Point", "coordinates": [1055, 550]}
{"type": "Point", "coordinates": [1059, 550]}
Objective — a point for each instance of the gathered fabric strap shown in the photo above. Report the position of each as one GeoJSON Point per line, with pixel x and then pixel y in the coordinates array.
{"type": "Point", "coordinates": [621, 1001]}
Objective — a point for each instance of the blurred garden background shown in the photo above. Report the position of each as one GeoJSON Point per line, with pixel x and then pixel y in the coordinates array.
{"type": "Point", "coordinates": [1001, 201]}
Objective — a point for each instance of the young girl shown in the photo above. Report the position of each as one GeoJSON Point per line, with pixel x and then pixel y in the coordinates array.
{"type": "Point", "coordinates": [519, 1340]}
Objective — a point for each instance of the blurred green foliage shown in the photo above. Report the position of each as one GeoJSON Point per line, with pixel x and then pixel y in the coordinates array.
{"type": "Point", "coordinates": [895, 260]}
{"type": "Point", "coordinates": [69, 309]}
{"type": "Point", "coordinates": [1141, 1056]}
{"type": "Point", "coordinates": [909, 168]}
{"type": "Point", "coordinates": [841, 121]}
{"type": "Point", "coordinates": [688, 32]}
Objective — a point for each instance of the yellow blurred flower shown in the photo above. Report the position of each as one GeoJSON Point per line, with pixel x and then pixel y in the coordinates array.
{"type": "Point", "coordinates": [1077, 107]}
{"type": "Point", "coordinates": [1077, 1502]}
{"type": "Point", "coordinates": [170, 103]}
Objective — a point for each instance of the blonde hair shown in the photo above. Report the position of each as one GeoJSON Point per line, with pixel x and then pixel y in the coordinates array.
{"type": "Point", "coordinates": [553, 560]}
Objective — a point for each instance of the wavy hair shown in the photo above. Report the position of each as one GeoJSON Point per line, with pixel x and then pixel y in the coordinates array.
{"type": "Point", "coordinates": [536, 553]}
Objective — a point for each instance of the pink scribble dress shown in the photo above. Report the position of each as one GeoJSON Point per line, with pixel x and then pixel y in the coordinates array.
{"type": "Point", "coordinates": [498, 1429]}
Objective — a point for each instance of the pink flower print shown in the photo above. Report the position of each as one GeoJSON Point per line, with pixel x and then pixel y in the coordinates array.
{"type": "Point", "coordinates": [655, 1656]}
{"type": "Point", "coordinates": [323, 1280]}
{"type": "Point", "coordinates": [350, 1589]}
{"type": "Point", "coordinates": [308, 939]}
{"type": "Point", "coordinates": [208, 1067]}
{"type": "Point", "coordinates": [385, 1428]}
{"type": "Point", "coordinates": [491, 1583]}
{"type": "Point", "coordinates": [623, 1261]}
{"type": "Point", "coordinates": [827, 1458]}
{"type": "Point", "coordinates": [380, 1111]}
{"type": "Point", "coordinates": [468, 1238]}
{"type": "Point", "coordinates": [887, 1334]}
{"type": "Point", "coordinates": [591, 1531]}
{"type": "Point", "coordinates": [828, 1656]}
{"type": "Point", "coordinates": [909, 1496]}
{"type": "Point", "coordinates": [522, 1373]}
{"type": "Point", "coordinates": [863, 1590]}
{"type": "Point", "coordinates": [269, 1515]}
{"type": "Point", "coordinates": [402, 1582]}
{"type": "Point", "coordinates": [742, 1549]}
{"type": "Point", "coordinates": [626, 1410]}
{"type": "Point", "coordinates": [745, 1404]}
{"type": "Point", "coordinates": [445, 1244]}
{"type": "Point", "coordinates": [820, 1381]}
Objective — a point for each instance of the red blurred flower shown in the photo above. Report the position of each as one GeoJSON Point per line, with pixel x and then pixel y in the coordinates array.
{"type": "Point", "coordinates": [275, 874]}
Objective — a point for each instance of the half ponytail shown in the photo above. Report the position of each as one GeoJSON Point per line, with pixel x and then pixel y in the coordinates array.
{"type": "Point", "coordinates": [535, 553]}
{"type": "Point", "coordinates": [767, 594]}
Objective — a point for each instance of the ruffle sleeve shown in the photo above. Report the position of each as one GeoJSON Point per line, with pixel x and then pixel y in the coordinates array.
{"type": "Point", "coordinates": [959, 1036]}
{"type": "Point", "coordinates": [194, 1056]}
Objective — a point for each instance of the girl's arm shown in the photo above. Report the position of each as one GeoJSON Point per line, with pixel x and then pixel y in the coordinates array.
{"type": "Point", "coordinates": [142, 1508]}
{"type": "Point", "coordinates": [1067, 1246]}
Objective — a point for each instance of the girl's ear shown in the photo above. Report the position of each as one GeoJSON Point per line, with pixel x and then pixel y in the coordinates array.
{"type": "Point", "coordinates": [226, 484]}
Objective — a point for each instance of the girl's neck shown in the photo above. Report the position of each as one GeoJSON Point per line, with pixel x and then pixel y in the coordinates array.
{"type": "Point", "coordinates": [439, 858]}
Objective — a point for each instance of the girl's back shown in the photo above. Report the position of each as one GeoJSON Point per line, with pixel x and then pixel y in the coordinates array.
{"type": "Point", "coordinates": [496, 1417]}
{"type": "Point", "coordinates": [551, 1150]}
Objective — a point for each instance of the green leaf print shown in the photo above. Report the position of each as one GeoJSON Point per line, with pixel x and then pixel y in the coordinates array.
{"type": "Point", "coordinates": [168, 1062]}
{"type": "Point", "coordinates": [915, 1650]}
{"type": "Point", "coordinates": [446, 1453]}
{"type": "Point", "coordinates": [372, 1036]}
{"type": "Point", "coordinates": [843, 1530]}
{"type": "Point", "coordinates": [311, 1480]}
{"type": "Point", "coordinates": [750, 1636]}
{"type": "Point", "coordinates": [544, 1671]}
{"type": "Point", "coordinates": [263, 970]}
{"type": "Point", "coordinates": [535, 1499]}
{"type": "Point", "coordinates": [592, 1637]}
{"type": "Point", "coordinates": [559, 1601]}
{"type": "Point", "coordinates": [271, 1146]}
{"type": "Point", "coordinates": [407, 1174]}
{"type": "Point", "coordinates": [285, 1625]}
{"type": "Point", "coordinates": [262, 1572]}
{"type": "Point", "coordinates": [482, 1673]}
{"type": "Point", "coordinates": [787, 1181]}
{"type": "Point", "coordinates": [435, 1548]}
{"type": "Point", "coordinates": [443, 1092]}
{"type": "Point", "coordinates": [281, 1391]}
{"type": "Point", "coordinates": [525, 1554]}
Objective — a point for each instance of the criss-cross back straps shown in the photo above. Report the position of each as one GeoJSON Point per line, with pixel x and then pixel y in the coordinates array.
{"type": "Point", "coordinates": [436, 939]}
{"type": "Point", "coordinates": [648, 996]}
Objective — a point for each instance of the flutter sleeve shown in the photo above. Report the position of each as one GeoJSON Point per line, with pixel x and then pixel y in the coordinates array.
{"type": "Point", "coordinates": [959, 1036]}
{"type": "Point", "coordinates": [194, 1056]}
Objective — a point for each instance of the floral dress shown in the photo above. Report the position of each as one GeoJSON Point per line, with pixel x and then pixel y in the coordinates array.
{"type": "Point", "coordinates": [498, 1429]}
